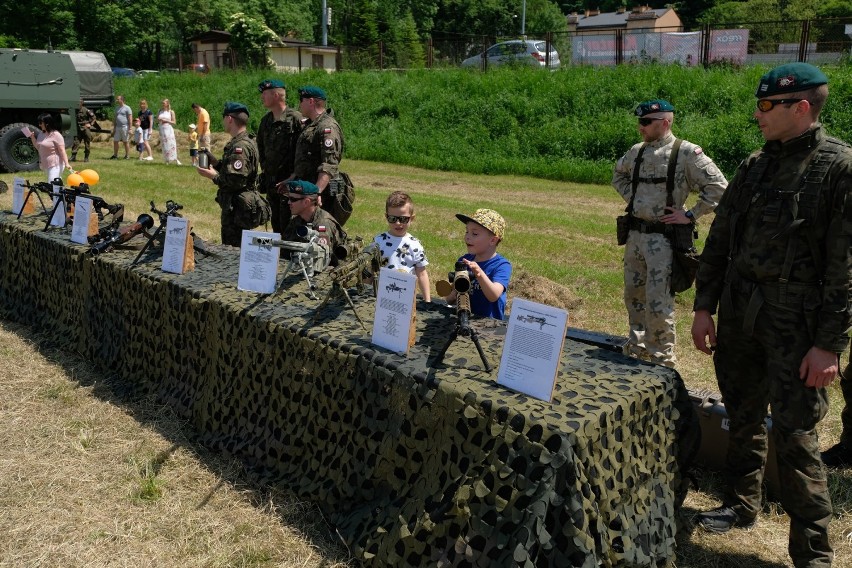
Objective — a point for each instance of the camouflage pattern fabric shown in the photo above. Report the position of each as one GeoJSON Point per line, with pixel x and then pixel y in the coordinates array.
{"type": "Point", "coordinates": [237, 174]}
{"type": "Point", "coordinates": [319, 148]}
{"type": "Point", "coordinates": [413, 465]}
{"type": "Point", "coordinates": [276, 145]}
{"type": "Point", "coordinates": [85, 118]}
{"type": "Point", "coordinates": [781, 287]}
{"type": "Point", "coordinates": [647, 260]}
{"type": "Point", "coordinates": [334, 233]}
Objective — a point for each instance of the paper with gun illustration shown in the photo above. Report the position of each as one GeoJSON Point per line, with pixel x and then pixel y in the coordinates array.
{"type": "Point", "coordinates": [258, 263]}
{"type": "Point", "coordinates": [392, 326]}
{"type": "Point", "coordinates": [175, 247]}
{"type": "Point", "coordinates": [80, 229]}
{"type": "Point", "coordinates": [534, 341]}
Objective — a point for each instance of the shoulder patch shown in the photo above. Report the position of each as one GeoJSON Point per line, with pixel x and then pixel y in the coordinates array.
{"type": "Point", "coordinates": [238, 150]}
{"type": "Point", "coordinates": [698, 150]}
{"type": "Point", "coordinates": [238, 164]}
{"type": "Point", "coordinates": [327, 131]}
{"type": "Point", "coordinates": [329, 142]}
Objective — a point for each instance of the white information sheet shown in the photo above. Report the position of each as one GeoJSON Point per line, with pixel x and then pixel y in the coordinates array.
{"type": "Point", "coordinates": [174, 251]}
{"type": "Point", "coordinates": [18, 193]}
{"type": "Point", "coordinates": [59, 217]}
{"type": "Point", "coordinates": [394, 305]}
{"type": "Point", "coordinates": [82, 214]}
{"type": "Point", "coordinates": [533, 348]}
{"type": "Point", "coordinates": [258, 263]}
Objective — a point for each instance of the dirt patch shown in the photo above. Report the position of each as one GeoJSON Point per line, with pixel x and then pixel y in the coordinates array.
{"type": "Point", "coordinates": [542, 290]}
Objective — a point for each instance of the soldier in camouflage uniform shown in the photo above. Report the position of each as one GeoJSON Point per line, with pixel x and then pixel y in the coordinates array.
{"type": "Point", "coordinates": [276, 142]}
{"type": "Point", "coordinates": [235, 175]}
{"type": "Point", "coordinates": [840, 454]}
{"type": "Point", "coordinates": [648, 253]}
{"type": "Point", "coordinates": [303, 198]}
{"type": "Point", "coordinates": [777, 265]}
{"type": "Point", "coordinates": [319, 148]}
{"type": "Point", "coordinates": [85, 120]}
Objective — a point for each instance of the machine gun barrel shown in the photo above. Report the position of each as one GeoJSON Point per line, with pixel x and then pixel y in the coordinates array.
{"type": "Point", "coordinates": [294, 246]}
{"type": "Point", "coordinates": [143, 222]}
{"type": "Point", "coordinates": [369, 259]}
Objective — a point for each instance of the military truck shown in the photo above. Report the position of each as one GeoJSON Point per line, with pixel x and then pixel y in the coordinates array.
{"type": "Point", "coordinates": [33, 83]}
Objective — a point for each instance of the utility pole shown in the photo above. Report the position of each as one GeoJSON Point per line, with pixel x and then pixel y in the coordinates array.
{"type": "Point", "coordinates": [524, 20]}
{"type": "Point", "coordinates": [325, 23]}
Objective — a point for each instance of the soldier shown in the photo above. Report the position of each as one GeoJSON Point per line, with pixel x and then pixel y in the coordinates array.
{"type": "Point", "coordinates": [276, 142]}
{"type": "Point", "coordinates": [85, 120]}
{"type": "Point", "coordinates": [235, 175]}
{"type": "Point", "coordinates": [777, 266]}
{"type": "Point", "coordinates": [319, 148]}
{"type": "Point", "coordinates": [303, 197]}
{"type": "Point", "coordinates": [840, 454]}
{"type": "Point", "coordinates": [640, 177]}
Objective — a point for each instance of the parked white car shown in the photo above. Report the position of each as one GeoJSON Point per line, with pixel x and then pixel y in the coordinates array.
{"type": "Point", "coordinates": [519, 52]}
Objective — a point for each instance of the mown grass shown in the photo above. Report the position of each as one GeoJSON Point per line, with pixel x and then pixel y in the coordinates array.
{"type": "Point", "coordinates": [569, 125]}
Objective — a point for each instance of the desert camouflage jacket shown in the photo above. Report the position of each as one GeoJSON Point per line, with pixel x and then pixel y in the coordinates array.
{"type": "Point", "coordinates": [694, 171]}
{"type": "Point", "coordinates": [759, 222]}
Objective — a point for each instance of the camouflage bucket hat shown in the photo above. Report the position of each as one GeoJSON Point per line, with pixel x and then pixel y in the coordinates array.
{"type": "Point", "coordinates": [488, 218]}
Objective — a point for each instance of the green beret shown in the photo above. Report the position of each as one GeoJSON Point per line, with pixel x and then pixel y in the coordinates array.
{"type": "Point", "coordinates": [311, 93]}
{"type": "Point", "coordinates": [652, 106]}
{"type": "Point", "coordinates": [234, 108]}
{"type": "Point", "coordinates": [790, 78]}
{"type": "Point", "coordinates": [301, 188]}
{"type": "Point", "coordinates": [270, 84]}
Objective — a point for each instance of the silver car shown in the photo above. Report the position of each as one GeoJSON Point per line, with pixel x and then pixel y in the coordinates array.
{"type": "Point", "coordinates": [522, 52]}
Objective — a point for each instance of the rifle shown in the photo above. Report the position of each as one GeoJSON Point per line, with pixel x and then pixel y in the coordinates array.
{"type": "Point", "coordinates": [309, 257]}
{"type": "Point", "coordinates": [461, 284]}
{"type": "Point", "coordinates": [172, 209]}
{"type": "Point", "coordinates": [35, 188]}
{"type": "Point", "coordinates": [143, 222]}
{"type": "Point", "coordinates": [360, 267]}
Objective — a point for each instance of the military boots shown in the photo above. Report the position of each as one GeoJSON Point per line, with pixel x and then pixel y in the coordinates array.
{"type": "Point", "coordinates": [73, 157]}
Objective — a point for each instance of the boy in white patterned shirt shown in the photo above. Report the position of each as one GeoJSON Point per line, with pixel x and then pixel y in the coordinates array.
{"type": "Point", "coordinates": [403, 251]}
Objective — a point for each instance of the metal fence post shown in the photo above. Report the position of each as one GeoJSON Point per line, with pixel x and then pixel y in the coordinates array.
{"type": "Point", "coordinates": [803, 40]}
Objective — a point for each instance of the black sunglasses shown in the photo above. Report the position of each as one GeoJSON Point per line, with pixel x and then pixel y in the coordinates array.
{"type": "Point", "coordinates": [404, 219]}
{"type": "Point", "coordinates": [292, 199]}
{"type": "Point", "coordinates": [765, 105]}
{"type": "Point", "coordinates": [645, 121]}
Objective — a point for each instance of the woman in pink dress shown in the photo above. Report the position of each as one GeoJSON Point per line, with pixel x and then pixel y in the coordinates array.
{"type": "Point", "coordinates": [50, 144]}
{"type": "Point", "coordinates": [166, 119]}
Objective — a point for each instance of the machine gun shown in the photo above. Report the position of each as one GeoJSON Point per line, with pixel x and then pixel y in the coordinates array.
{"type": "Point", "coordinates": [143, 222]}
{"type": "Point", "coordinates": [461, 284]}
{"type": "Point", "coordinates": [310, 257]}
{"type": "Point", "coordinates": [172, 209]}
{"type": "Point", "coordinates": [36, 188]}
{"type": "Point", "coordinates": [357, 268]}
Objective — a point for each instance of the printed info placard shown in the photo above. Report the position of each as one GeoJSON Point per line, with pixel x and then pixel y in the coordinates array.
{"type": "Point", "coordinates": [394, 306]}
{"type": "Point", "coordinates": [533, 348]}
{"type": "Point", "coordinates": [174, 250]}
{"type": "Point", "coordinates": [258, 264]}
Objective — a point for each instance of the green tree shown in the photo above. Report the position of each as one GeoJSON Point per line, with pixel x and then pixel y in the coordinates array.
{"type": "Point", "coordinates": [250, 37]}
{"type": "Point", "coordinates": [295, 18]}
{"type": "Point", "coordinates": [405, 47]}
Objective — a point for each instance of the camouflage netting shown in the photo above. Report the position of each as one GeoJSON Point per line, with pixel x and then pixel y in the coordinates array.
{"type": "Point", "coordinates": [413, 465]}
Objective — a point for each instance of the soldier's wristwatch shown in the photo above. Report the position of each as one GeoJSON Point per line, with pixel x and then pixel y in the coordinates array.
{"type": "Point", "coordinates": [690, 216]}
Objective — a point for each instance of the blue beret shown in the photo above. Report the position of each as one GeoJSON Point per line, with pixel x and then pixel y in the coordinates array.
{"type": "Point", "coordinates": [789, 79]}
{"type": "Point", "coordinates": [301, 188]}
{"type": "Point", "coordinates": [234, 108]}
{"type": "Point", "coordinates": [310, 92]}
{"type": "Point", "coordinates": [270, 84]}
{"type": "Point", "coordinates": [652, 106]}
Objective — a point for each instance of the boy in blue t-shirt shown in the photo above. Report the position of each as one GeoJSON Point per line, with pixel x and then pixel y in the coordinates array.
{"type": "Point", "coordinates": [490, 272]}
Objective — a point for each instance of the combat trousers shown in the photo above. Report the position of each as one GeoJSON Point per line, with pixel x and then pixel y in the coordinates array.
{"type": "Point", "coordinates": [648, 298]}
{"type": "Point", "coordinates": [86, 140]}
{"type": "Point", "coordinates": [280, 208]}
{"type": "Point", "coordinates": [846, 416]}
{"type": "Point", "coordinates": [758, 370]}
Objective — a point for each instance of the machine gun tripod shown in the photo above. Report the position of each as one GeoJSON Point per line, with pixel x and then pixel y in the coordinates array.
{"type": "Point", "coordinates": [461, 285]}
{"type": "Point", "coordinates": [35, 188]}
{"type": "Point", "coordinates": [307, 257]}
{"type": "Point", "coordinates": [365, 265]}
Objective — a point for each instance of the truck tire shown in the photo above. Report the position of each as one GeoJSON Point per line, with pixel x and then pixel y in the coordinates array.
{"type": "Point", "coordinates": [17, 153]}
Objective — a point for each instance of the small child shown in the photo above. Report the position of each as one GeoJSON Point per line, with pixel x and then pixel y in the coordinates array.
{"type": "Point", "coordinates": [489, 271]}
{"type": "Point", "coordinates": [193, 144]}
{"type": "Point", "coordinates": [403, 251]}
{"type": "Point", "coordinates": [139, 137]}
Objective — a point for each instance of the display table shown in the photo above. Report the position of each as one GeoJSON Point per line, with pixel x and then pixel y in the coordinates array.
{"type": "Point", "coordinates": [413, 465]}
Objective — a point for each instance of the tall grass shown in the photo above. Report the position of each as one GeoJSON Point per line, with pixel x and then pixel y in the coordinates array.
{"type": "Point", "coordinates": [569, 125]}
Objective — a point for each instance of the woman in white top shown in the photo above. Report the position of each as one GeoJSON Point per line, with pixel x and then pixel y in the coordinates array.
{"type": "Point", "coordinates": [50, 144]}
{"type": "Point", "coordinates": [166, 119]}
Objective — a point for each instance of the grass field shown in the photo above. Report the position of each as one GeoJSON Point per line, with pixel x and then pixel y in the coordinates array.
{"type": "Point", "coordinates": [89, 478]}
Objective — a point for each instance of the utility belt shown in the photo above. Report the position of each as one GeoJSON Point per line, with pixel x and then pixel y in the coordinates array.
{"type": "Point", "coordinates": [636, 224]}
{"type": "Point", "coordinates": [796, 296]}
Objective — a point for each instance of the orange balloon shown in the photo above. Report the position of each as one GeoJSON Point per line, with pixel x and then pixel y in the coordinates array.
{"type": "Point", "coordinates": [74, 180]}
{"type": "Point", "coordinates": [91, 177]}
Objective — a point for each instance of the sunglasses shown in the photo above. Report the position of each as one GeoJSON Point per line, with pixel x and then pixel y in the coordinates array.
{"type": "Point", "coordinates": [404, 219]}
{"type": "Point", "coordinates": [765, 105]}
{"type": "Point", "coordinates": [648, 121]}
{"type": "Point", "coordinates": [295, 199]}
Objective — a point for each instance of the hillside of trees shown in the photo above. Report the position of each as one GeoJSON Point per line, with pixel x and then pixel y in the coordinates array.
{"type": "Point", "coordinates": [150, 34]}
